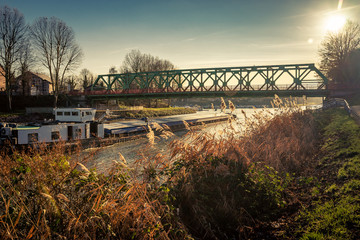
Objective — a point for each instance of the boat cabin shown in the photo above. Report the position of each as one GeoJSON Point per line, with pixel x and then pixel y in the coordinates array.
{"type": "Point", "coordinates": [51, 133]}
{"type": "Point", "coordinates": [71, 124]}
{"type": "Point", "coordinates": [75, 114]}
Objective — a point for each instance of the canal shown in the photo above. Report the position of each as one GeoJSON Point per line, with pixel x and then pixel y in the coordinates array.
{"type": "Point", "coordinates": [132, 151]}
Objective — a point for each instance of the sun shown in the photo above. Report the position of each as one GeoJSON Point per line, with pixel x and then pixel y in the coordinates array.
{"type": "Point", "coordinates": [335, 22]}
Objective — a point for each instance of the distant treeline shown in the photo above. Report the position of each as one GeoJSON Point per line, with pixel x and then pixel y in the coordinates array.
{"type": "Point", "coordinates": [20, 102]}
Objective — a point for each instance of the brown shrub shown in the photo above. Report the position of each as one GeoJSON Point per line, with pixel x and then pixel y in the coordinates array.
{"type": "Point", "coordinates": [48, 194]}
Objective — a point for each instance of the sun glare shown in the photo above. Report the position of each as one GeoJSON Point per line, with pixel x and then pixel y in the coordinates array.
{"type": "Point", "coordinates": [335, 22]}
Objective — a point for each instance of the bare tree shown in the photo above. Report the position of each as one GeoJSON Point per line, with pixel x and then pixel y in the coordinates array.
{"type": "Point", "coordinates": [26, 61]}
{"type": "Point", "coordinates": [86, 78]}
{"type": "Point", "coordinates": [336, 49]}
{"type": "Point", "coordinates": [135, 62]}
{"type": "Point", "coordinates": [112, 70]}
{"type": "Point", "coordinates": [353, 66]}
{"type": "Point", "coordinates": [57, 48]}
{"type": "Point", "coordinates": [13, 32]}
{"type": "Point", "coordinates": [71, 82]}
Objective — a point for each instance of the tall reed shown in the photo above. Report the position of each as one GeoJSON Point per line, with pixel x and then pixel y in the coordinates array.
{"type": "Point", "coordinates": [209, 186]}
{"type": "Point", "coordinates": [226, 182]}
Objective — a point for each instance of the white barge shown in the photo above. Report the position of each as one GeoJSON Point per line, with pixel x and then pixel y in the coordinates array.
{"type": "Point", "coordinates": [70, 124]}
{"type": "Point", "coordinates": [79, 124]}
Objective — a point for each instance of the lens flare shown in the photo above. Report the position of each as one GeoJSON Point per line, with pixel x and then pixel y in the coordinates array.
{"type": "Point", "coordinates": [340, 4]}
{"type": "Point", "coordinates": [335, 22]}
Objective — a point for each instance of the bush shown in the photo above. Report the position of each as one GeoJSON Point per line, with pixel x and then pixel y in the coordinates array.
{"type": "Point", "coordinates": [220, 198]}
{"type": "Point", "coordinates": [48, 194]}
{"type": "Point", "coordinates": [224, 185]}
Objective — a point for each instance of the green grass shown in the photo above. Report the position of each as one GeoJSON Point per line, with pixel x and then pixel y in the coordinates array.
{"type": "Point", "coordinates": [14, 114]}
{"type": "Point", "coordinates": [332, 219]}
{"type": "Point", "coordinates": [336, 215]}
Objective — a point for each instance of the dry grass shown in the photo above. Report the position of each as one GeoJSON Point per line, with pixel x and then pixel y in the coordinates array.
{"type": "Point", "coordinates": [209, 186]}
{"type": "Point", "coordinates": [284, 139]}
{"type": "Point", "coordinates": [241, 172]}
{"type": "Point", "coordinates": [46, 195]}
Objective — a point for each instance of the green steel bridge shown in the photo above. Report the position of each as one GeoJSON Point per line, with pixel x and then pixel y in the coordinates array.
{"type": "Point", "coordinates": [283, 80]}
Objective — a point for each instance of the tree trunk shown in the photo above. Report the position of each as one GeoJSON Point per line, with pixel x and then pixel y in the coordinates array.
{"type": "Point", "coordinates": [56, 95]}
{"type": "Point", "coordinates": [23, 85]}
{"type": "Point", "coordinates": [9, 100]}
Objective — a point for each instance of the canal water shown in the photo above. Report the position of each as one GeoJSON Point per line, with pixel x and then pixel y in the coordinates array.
{"type": "Point", "coordinates": [104, 158]}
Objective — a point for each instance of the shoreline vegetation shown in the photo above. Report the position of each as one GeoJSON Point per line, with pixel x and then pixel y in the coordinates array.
{"type": "Point", "coordinates": [294, 174]}
{"type": "Point", "coordinates": [154, 112]}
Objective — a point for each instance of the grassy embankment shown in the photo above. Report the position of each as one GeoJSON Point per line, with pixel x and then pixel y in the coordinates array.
{"type": "Point", "coordinates": [267, 182]}
{"type": "Point", "coordinates": [334, 209]}
{"type": "Point", "coordinates": [11, 115]}
{"type": "Point", "coordinates": [156, 112]}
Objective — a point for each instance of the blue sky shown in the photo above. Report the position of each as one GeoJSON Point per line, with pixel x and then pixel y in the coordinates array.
{"type": "Point", "coordinates": [194, 33]}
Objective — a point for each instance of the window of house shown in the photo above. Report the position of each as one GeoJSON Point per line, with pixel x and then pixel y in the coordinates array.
{"type": "Point", "coordinates": [59, 113]}
{"type": "Point", "coordinates": [74, 113]}
{"type": "Point", "coordinates": [55, 135]}
{"type": "Point", "coordinates": [67, 113]}
{"type": "Point", "coordinates": [33, 137]}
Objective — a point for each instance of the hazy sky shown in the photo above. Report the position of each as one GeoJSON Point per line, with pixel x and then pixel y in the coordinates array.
{"type": "Point", "coordinates": [194, 33]}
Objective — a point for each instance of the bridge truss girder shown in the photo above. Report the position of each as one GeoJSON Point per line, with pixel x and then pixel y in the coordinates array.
{"type": "Point", "coordinates": [252, 78]}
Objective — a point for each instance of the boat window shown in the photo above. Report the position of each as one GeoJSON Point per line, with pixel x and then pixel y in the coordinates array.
{"type": "Point", "coordinates": [78, 133]}
{"type": "Point", "coordinates": [74, 113]}
{"type": "Point", "coordinates": [55, 135]}
{"type": "Point", "coordinates": [88, 113]}
{"type": "Point", "coordinates": [67, 113]}
{"type": "Point", "coordinates": [33, 137]}
{"type": "Point", "coordinates": [59, 113]}
{"type": "Point", "coordinates": [83, 113]}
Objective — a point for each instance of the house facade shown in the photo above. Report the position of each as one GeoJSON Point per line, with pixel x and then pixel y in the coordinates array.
{"type": "Point", "coordinates": [33, 84]}
{"type": "Point", "coordinates": [2, 81]}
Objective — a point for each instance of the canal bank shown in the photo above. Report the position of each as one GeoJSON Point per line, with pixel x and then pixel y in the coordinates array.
{"type": "Point", "coordinates": [203, 188]}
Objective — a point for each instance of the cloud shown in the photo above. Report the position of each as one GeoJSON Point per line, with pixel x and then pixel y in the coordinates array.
{"type": "Point", "coordinates": [189, 39]}
{"type": "Point", "coordinates": [131, 48]}
{"type": "Point", "coordinates": [241, 62]}
{"type": "Point", "coordinates": [323, 12]}
{"type": "Point", "coordinates": [284, 45]}
{"type": "Point", "coordinates": [121, 51]}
